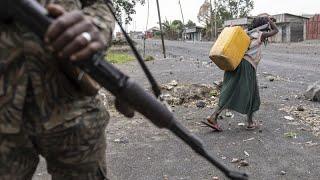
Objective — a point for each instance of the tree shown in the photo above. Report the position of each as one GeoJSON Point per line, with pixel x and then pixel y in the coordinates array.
{"type": "Point", "coordinates": [125, 9]}
{"type": "Point", "coordinates": [235, 8]}
{"type": "Point", "coordinates": [204, 13]}
{"type": "Point", "coordinates": [190, 24]}
{"type": "Point", "coordinates": [224, 10]}
{"type": "Point", "coordinates": [172, 30]}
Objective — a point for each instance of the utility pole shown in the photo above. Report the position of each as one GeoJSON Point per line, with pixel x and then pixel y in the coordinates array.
{"type": "Point", "coordinates": [145, 35]}
{"type": "Point", "coordinates": [211, 19]}
{"type": "Point", "coordinates": [182, 21]}
{"type": "Point", "coordinates": [160, 24]}
{"type": "Point", "coordinates": [215, 19]}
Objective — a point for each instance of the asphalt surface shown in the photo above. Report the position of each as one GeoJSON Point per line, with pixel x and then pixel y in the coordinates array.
{"type": "Point", "coordinates": [137, 150]}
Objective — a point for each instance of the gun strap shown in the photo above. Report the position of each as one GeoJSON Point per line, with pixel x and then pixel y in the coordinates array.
{"type": "Point", "coordinates": [152, 81]}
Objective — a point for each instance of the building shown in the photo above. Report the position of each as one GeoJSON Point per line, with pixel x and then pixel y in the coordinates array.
{"type": "Point", "coordinates": [313, 27]}
{"type": "Point", "coordinates": [152, 32]}
{"type": "Point", "coordinates": [193, 33]}
{"type": "Point", "coordinates": [136, 34]}
{"type": "Point", "coordinates": [292, 28]}
{"type": "Point", "coordinates": [244, 22]}
{"type": "Point", "coordinates": [308, 15]}
{"type": "Point", "coordinates": [119, 36]}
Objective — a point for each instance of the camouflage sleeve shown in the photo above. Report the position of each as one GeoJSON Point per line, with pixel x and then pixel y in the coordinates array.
{"type": "Point", "coordinates": [101, 16]}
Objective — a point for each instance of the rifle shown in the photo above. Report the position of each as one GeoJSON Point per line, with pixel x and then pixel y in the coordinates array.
{"type": "Point", "coordinates": [34, 16]}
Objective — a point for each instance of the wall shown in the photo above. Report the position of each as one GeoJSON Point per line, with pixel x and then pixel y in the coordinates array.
{"type": "Point", "coordinates": [288, 18]}
{"type": "Point", "coordinates": [313, 27]}
{"type": "Point", "coordinates": [283, 35]}
{"type": "Point", "coordinates": [296, 32]}
{"type": "Point", "coordinates": [289, 32]}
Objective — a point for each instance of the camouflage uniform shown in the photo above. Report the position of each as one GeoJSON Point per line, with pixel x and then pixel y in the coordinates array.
{"type": "Point", "coordinates": [44, 111]}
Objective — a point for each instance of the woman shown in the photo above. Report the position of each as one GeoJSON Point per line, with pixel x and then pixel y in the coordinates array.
{"type": "Point", "coordinates": [240, 90]}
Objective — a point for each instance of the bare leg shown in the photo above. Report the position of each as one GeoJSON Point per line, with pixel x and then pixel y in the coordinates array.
{"type": "Point", "coordinates": [213, 119]}
{"type": "Point", "coordinates": [250, 119]}
{"type": "Point", "coordinates": [251, 123]}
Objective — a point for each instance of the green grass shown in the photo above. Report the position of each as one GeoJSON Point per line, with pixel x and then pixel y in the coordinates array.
{"type": "Point", "coordinates": [149, 58]}
{"type": "Point", "coordinates": [119, 57]}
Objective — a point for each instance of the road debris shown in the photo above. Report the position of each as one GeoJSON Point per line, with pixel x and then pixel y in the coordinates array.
{"type": "Point", "coordinates": [289, 118]}
{"type": "Point", "coordinates": [243, 163]}
{"type": "Point", "coordinates": [291, 135]}
{"type": "Point", "coordinates": [235, 160]}
{"type": "Point", "coordinates": [218, 84]}
{"type": "Point", "coordinates": [310, 117]}
{"type": "Point", "coordinates": [173, 83]}
{"type": "Point", "coordinates": [271, 78]}
{"type": "Point", "coordinates": [311, 143]}
{"type": "Point", "coordinates": [313, 92]}
{"type": "Point", "coordinates": [250, 139]}
{"type": "Point", "coordinates": [246, 153]}
{"type": "Point", "coordinates": [283, 173]}
{"type": "Point", "coordinates": [300, 108]}
{"type": "Point", "coordinates": [201, 104]}
{"type": "Point", "coordinates": [190, 95]}
{"type": "Point", "coordinates": [122, 140]}
{"type": "Point", "coordinates": [229, 114]}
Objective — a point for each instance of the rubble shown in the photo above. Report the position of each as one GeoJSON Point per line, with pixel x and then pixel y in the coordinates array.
{"type": "Point", "coordinates": [173, 83]}
{"type": "Point", "coordinates": [309, 117]}
{"type": "Point", "coordinates": [313, 92]}
{"type": "Point", "coordinates": [246, 153]}
{"type": "Point", "coordinates": [190, 95]}
{"type": "Point", "coordinates": [201, 104]}
{"type": "Point", "coordinates": [271, 78]}
{"type": "Point", "coordinates": [235, 160]}
{"type": "Point", "coordinates": [291, 135]}
{"type": "Point", "coordinates": [289, 118]}
{"type": "Point", "coordinates": [218, 84]}
{"type": "Point", "coordinates": [283, 173]}
{"type": "Point", "coordinates": [122, 140]}
{"type": "Point", "coordinates": [300, 108]}
{"type": "Point", "coordinates": [229, 114]}
{"type": "Point", "coordinates": [175, 94]}
{"type": "Point", "coordinates": [243, 163]}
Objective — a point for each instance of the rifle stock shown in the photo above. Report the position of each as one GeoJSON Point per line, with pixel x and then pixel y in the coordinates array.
{"type": "Point", "coordinates": [35, 17]}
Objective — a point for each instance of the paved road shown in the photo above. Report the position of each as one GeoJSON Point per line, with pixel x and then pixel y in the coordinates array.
{"type": "Point", "coordinates": [139, 151]}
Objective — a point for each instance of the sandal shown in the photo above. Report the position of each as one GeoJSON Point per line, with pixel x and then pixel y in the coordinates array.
{"type": "Point", "coordinates": [215, 127]}
{"type": "Point", "coordinates": [252, 127]}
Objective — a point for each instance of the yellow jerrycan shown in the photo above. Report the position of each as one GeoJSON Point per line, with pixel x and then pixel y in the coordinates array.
{"type": "Point", "coordinates": [230, 47]}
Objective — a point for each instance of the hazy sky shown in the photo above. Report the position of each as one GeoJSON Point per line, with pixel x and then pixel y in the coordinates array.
{"type": "Point", "coordinates": [170, 10]}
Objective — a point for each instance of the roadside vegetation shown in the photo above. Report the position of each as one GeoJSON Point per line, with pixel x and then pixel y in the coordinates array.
{"type": "Point", "coordinates": [119, 57]}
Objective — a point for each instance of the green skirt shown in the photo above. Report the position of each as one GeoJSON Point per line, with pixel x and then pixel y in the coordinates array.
{"type": "Point", "coordinates": [240, 90]}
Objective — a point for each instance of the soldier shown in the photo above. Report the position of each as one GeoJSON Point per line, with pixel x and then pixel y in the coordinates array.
{"type": "Point", "coordinates": [46, 107]}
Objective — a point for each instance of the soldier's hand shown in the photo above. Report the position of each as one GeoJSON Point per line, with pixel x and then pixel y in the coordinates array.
{"type": "Point", "coordinates": [72, 35]}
